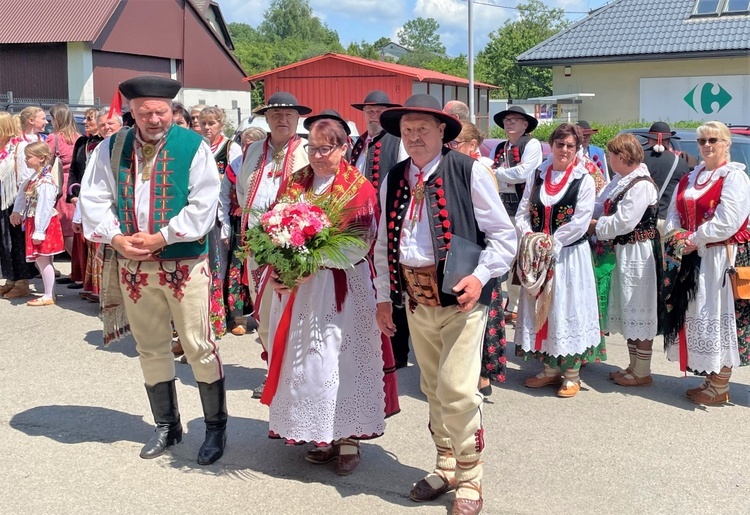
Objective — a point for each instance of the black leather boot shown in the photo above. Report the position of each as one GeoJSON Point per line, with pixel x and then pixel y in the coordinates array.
{"type": "Point", "coordinates": [214, 401]}
{"type": "Point", "coordinates": [163, 399]}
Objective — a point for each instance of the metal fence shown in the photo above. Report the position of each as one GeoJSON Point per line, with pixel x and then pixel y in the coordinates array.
{"type": "Point", "coordinates": [12, 104]}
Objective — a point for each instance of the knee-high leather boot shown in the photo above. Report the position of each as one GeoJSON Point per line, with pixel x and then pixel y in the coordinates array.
{"type": "Point", "coordinates": [214, 401]}
{"type": "Point", "coordinates": [163, 399]}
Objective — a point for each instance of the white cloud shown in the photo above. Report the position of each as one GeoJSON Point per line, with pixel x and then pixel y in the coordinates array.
{"type": "Point", "coordinates": [244, 11]}
{"type": "Point", "coordinates": [364, 10]}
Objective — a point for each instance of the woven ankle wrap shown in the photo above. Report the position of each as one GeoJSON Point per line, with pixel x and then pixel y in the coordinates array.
{"type": "Point", "coordinates": [469, 470]}
{"type": "Point", "coordinates": [445, 462]}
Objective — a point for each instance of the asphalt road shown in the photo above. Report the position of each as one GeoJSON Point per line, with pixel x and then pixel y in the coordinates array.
{"type": "Point", "coordinates": [73, 417]}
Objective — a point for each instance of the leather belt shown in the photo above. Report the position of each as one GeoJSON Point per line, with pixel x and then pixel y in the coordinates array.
{"type": "Point", "coordinates": [422, 284]}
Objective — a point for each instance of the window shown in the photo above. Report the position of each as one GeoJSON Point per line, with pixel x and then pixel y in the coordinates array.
{"type": "Point", "coordinates": [706, 7]}
{"type": "Point", "coordinates": [234, 104]}
{"type": "Point", "coordinates": [737, 6]}
{"type": "Point", "coordinates": [721, 7]}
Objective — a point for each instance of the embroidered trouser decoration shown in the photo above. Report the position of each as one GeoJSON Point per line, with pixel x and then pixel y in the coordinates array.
{"type": "Point", "coordinates": [175, 279]}
{"type": "Point", "coordinates": [133, 280]}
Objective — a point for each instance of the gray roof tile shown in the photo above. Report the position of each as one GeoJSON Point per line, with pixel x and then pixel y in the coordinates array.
{"type": "Point", "coordinates": [642, 27]}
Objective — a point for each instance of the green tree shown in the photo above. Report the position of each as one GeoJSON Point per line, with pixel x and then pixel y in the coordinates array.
{"type": "Point", "coordinates": [367, 50]}
{"type": "Point", "coordinates": [420, 36]}
{"type": "Point", "coordinates": [288, 33]}
{"type": "Point", "coordinates": [496, 63]}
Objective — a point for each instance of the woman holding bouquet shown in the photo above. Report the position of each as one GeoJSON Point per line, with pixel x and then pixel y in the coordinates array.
{"type": "Point", "coordinates": [325, 381]}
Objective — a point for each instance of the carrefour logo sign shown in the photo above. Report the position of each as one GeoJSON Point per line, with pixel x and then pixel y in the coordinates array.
{"type": "Point", "coordinates": [708, 99]}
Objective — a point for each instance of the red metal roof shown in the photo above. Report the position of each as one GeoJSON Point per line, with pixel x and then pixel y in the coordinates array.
{"type": "Point", "coordinates": [418, 74]}
{"type": "Point", "coordinates": [54, 21]}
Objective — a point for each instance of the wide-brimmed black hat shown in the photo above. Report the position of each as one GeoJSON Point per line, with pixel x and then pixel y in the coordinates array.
{"type": "Point", "coordinates": [533, 122]}
{"type": "Point", "coordinates": [586, 128]}
{"type": "Point", "coordinates": [659, 128]}
{"type": "Point", "coordinates": [150, 86]}
{"type": "Point", "coordinates": [376, 98]}
{"type": "Point", "coordinates": [284, 100]}
{"type": "Point", "coordinates": [420, 104]}
{"type": "Point", "coordinates": [328, 114]}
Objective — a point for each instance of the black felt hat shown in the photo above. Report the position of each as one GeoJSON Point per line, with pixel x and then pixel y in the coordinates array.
{"type": "Point", "coordinates": [150, 86]}
{"type": "Point", "coordinates": [499, 117]}
{"type": "Point", "coordinates": [420, 104]}
{"type": "Point", "coordinates": [659, 128]}
{"type": "Point", "coordinates": [586, 127]}
{"type": "Point", "coordinates": [376, 98]}
{"type": "Point", "coordinates": [284, 100]}
{"type": "Point", "coordinates": [328, 114]}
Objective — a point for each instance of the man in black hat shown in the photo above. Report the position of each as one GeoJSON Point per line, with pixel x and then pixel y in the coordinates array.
{"type": "Point", "coordinates": [332, 114]}
{"type": "Point", "coordinates": [664, 165]}
{"type": "Point", "coordinates": [374, 154]}
{"type": "Point", "coordinates": [596, 154]}
{"type": "Point", "coordinates": [436, 199]}
{"type": "Point", "coordinates": [514, 161]}
{"type": "Point", "coordinates": [266, 165]}
{"type": "Point", "coordinates": [155, 210]}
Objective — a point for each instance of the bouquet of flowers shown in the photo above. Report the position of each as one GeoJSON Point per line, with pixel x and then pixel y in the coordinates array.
{"type": "Point", "coordinates": [296, 237]}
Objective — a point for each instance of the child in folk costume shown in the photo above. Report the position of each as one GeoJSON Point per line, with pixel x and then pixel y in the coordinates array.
{"type": "Point", "coordinates": [35, 207]}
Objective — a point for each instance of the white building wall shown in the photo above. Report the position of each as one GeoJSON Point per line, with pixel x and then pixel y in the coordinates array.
{"type": "Point", "coordinates": [80, 73]}
{"type": "Point", "coordinates": [236, 104]}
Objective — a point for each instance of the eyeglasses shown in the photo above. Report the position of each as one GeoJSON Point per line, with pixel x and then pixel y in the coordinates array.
{"type": "Point", "coordinates": [89, 118]}
{"type": "Point", "coordinates": [711, 141]}
{"type": "Point", "coordinates": [453, 145]}
{"type": "Point", "coordinates": [561, 145]}
{"type": "Point", "coordinates": [506, 121]}
{"type": "Point", "coordinates": [322, 151]}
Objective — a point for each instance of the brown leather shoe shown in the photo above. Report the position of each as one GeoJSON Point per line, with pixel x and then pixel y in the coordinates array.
{"type": "Point", "coordinates": [322, 455]}
{"type": "Point", "coordinates": [463, 506]}
{"type": "Point", "coordinates": [539, 382]}
{"type": "Point", "coordinates": [5, 288]}
{"type": "Point", "coordinates": [21, 289]}
{"type": "Point", "coordinates": [347, 463]}
{"type": "Point", "coordinates": [239, 330]}
{"type": "Point", "coordinates": [177, 349]}
{"type": "Point", "coordinates": [633, 380]}
{"type": "Point", "coordinates": [423, 492]}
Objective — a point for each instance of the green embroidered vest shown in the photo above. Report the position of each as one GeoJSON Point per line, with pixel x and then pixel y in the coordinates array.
{"type": "Point", "coordinates": [169, 188]}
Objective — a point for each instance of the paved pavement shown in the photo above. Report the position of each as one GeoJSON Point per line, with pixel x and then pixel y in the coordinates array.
{"type": "Point", "coordinates": [73, 417]}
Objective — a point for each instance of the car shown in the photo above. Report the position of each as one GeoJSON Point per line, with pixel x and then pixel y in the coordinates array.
{"type": "Point", "coordinates": [742, 130]}
{"type": "Point", "coordinates": [260, 122]}
{"type": "Point", "coordinates": [687, 142]}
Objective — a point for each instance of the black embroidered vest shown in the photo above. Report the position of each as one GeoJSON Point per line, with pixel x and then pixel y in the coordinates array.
{"type": "Point", "coordinates": [450, 209]}
{"type": "Point", "coordinates": [222, 157]}
{"type": "Point", "coordinates": [560, 213]}
{"type": "Point", "coordinates": [382, 155]}
{"type": "Point", "coordinates": [645, 229]}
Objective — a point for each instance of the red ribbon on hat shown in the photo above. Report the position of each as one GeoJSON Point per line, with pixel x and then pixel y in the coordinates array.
{"type": "Point", "coordinates": [116, 106]}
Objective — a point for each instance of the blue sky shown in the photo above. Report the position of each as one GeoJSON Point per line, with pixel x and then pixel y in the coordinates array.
{"type": "Point", "coordinates": [355, 20]}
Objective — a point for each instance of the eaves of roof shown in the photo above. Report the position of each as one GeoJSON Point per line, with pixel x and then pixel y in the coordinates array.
{"type": "Point", "coordinates": [418, 74]}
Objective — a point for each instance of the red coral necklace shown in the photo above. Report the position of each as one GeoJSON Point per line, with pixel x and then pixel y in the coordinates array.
{"type": "Point", "coordinates": [699, 186]}
{"type": "Point", "coordinates": [553, 189]}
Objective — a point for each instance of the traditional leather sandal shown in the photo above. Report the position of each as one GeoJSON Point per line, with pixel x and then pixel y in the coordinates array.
{"type": "Point", "coordinates": [569, 390]}
{"type": "Point", "coordinates": [539, 382]}
{"type": "Point", "coordinates": [620, 372]}
{"type": "Point", "coordinates": [709, 397]}
{"type": "Point", "coordinates": [630, 379]}
{"type": "Point", "coordinates": [423, 491]}
{"type": "Point", "coordinates": [41, 302]}
{"type": "Point", "coordinates": [463, 506]}
{"type": "Point", "coordinates": [693, 391]}
{"type": "Point", "coordinates": [322, 455]}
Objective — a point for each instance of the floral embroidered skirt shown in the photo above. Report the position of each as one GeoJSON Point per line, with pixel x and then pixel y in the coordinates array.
{"type": "Point", "coordinates": [51, 244]}
{"type": "Point", "coordinates": [494, 343]}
